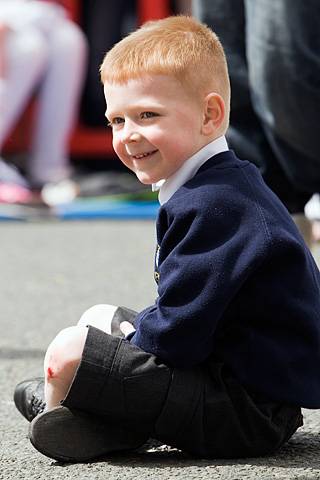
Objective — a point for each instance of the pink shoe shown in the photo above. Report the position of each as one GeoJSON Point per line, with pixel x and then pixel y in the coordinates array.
{"type": "Point", "coordinates": [16, 194]}
{"type": "Point", "coordinates": [13, 193]}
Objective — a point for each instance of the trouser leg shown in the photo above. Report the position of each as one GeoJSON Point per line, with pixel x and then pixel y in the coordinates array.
{"type": "Point", "coordinates": [284, 68]}
{"type": "Point", "coordinates": [203, 410]}
{"type": "Point", "coordinates": [57, 102]}
{"type": "Point", "coordinates": [25, 61]}
{"type": "Point", "coordinates": [227, 18]}
{"type": "Point", "coordinates": [118, 381]}
{"type": "Point", "coordinates": [242, 26]}
{"type": "Point", "coordinates": [103, 25]}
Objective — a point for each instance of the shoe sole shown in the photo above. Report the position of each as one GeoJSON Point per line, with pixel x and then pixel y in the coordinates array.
{"type": "Point", "coordinates": [74, 436]}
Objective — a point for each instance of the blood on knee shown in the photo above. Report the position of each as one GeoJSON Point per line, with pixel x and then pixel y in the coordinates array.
{"type": "Point", "coordinates": [50, 373]}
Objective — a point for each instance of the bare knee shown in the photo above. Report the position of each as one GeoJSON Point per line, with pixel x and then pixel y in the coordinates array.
{"type": "Point", "coordinates": [99, 316]}
{"type": "Point", "coordinates": [64, 354]}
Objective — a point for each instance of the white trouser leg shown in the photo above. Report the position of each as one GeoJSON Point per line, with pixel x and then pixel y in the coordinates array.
{"type": "Point", "coordinates": [58, 102]}
{"type": "Point", "coordinates": [25, 61]}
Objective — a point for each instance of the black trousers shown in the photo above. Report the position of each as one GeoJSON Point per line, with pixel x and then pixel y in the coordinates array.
{"type": "Point", "coordinates": [268, 45]}
{"type": "Point", "coordinates": [203, 411]}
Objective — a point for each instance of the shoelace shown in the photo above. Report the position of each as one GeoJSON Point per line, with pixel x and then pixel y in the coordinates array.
{"type": "Point", "coordinates": [37, 405]}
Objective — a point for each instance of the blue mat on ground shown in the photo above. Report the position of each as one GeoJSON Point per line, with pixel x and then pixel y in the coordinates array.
{"type": "Point", "coordinates": [84, 209]}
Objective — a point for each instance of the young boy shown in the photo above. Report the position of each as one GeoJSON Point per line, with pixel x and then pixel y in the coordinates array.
{"type": "Point", "coordinates": [223, 361]}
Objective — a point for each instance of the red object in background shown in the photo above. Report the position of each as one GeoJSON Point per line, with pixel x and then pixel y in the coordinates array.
{"type": "Point", "coordinates": [73, 7]}
{"type": "Point", "coordinates": [84, 141]}
{"type": "Point", "coordinates": [152, 9]}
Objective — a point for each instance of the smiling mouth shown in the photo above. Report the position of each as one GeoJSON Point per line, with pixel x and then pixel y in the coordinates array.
{"type": "Point", "coordinates": [143, 155]}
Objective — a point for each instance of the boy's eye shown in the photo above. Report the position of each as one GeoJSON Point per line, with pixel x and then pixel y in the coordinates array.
{"type": "Point", "coordinates": [115, 121]}
{"type": "Point", "coordinates": [148, 115]}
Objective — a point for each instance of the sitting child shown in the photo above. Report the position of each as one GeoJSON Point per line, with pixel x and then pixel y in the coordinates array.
{"type": "Point", "coordinates": [222, 363]}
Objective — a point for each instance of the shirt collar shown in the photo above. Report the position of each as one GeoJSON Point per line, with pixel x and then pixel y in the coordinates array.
{"type": "Point", "coordinates": [190, 167]}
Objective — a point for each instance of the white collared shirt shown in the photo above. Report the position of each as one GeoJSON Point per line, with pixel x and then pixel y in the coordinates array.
{"type": "Point", "coordinates": [190, 167]}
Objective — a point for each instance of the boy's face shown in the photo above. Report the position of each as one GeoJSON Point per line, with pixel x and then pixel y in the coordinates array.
{"type": "Point", "coordinates": [156, 125]}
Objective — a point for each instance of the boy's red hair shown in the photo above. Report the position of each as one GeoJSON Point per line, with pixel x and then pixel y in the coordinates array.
{"type": "Point", "coordinates": [179, 46]}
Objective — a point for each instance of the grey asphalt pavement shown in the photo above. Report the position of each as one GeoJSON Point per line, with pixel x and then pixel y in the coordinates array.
{"type": "Point", "coordinates": [49, 274]}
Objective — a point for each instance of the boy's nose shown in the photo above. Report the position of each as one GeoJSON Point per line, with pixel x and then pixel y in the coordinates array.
{"type": "Point", "coordinates": [130, 134]}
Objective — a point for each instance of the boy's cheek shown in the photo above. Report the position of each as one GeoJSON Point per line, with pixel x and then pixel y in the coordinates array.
{"type": "Point", "coordinates": [117, 147]}
{"type": "Point", "coordinates": [123, 157]}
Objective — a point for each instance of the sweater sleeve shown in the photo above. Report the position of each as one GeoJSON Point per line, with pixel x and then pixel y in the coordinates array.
{"type": "Point", "coordinates": [205, 254]}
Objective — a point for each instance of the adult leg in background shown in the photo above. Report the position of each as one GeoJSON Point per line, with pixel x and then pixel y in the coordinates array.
{"type": "Point", "coordinates": [284, 68]}
{"type": "Point", "coordinates": [58, 100]}
{"type": "Point", "coordinates": [25, 62]}
{"type": "Point", "coordinates": [256, 39]}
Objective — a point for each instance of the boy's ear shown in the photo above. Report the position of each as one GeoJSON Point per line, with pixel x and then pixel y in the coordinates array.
{"type": "Point", "coordinates": [213, 113]}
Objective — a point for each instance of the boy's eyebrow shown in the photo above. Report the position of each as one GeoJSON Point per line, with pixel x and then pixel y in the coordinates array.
{"type": "Point", "coordinates": [140, 106]}
{"type": "Point", "coordinates": [111, 112]}
{"type": "Point", "coordinates": [106, 115]}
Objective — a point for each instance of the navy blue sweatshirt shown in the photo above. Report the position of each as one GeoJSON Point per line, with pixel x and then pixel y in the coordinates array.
{"type": "Point", "coordinates": [236, 284]}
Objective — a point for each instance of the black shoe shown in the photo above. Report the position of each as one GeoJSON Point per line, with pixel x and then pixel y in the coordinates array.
{"type": "Point", "coordinates": [29, 397]}
{"type": "Point", "coordinates": [74, 436]}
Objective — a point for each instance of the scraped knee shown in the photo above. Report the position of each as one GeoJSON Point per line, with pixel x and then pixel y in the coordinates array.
{"type": "Point", "coordinates": [64, 354]}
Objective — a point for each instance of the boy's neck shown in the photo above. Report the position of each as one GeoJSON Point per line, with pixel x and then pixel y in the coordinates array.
{"type": "Point", "coordinates": [189, 168]}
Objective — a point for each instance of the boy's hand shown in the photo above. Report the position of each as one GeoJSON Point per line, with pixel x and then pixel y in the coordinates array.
{"type": "Point", "coordinates": [126, 328]}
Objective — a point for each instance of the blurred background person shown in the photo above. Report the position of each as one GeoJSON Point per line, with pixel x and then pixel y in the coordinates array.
{"type": "Point", "coordinates": [104, 24]}
{"type": "Point", "coordinates": [41, 51]}
{"type": "Point", "coordinates": [273, 52]}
